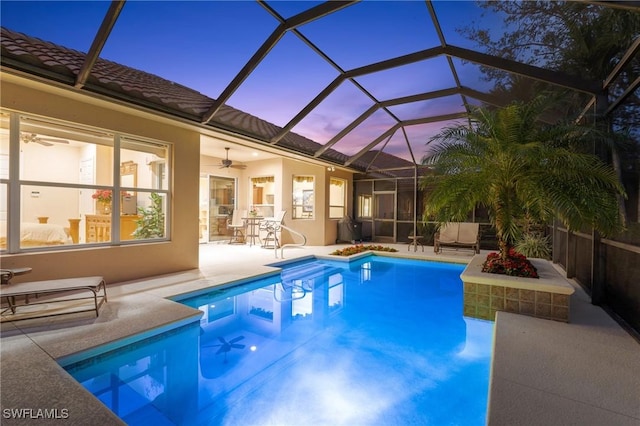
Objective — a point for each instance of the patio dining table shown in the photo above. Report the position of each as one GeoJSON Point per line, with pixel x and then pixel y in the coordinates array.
{"type": "Point", "coordinates": [253, 223]}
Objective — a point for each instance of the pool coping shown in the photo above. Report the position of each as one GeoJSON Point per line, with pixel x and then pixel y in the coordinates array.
{"type": "Point", "coordinates": [548, 296]}
{"type": "Point", "coordinates": [550, 279]}
{"type": "Point", "coordinates": [56, 354]}
{"type": "Point", "coordinates": [548, 372]}
{"type": "Point", "coordinates": [29, 388]}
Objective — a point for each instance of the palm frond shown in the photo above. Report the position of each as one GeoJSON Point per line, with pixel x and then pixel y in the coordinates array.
{"type": "Point", "coordinates": [519, 168]}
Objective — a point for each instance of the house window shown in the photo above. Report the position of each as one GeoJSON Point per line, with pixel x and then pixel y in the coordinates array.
{"type": "Point", "coordinates": [364, 205]}
{"type": "Point", "coordinates": [262, 196]}
{"type": "Point", "coordinates": [145, 184]}
{"type": "Point", "coordinates": [303, 197]}
{"type": "Point", "coordinates": [4, 177]}
{"type": "Point", "coordinates": [363, 191]}
{"type": "Point", "coordinates": [337, 197]}
{"type": "Point", "coordinates": [64, 180]}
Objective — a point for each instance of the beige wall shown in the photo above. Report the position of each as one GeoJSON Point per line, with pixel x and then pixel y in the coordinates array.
{"type": "Point", "coordinates": [320, 230]}
{"type": "Point", "coordinates": [331, 225]}
{"type": "Point", "coordinates": [131, 262]}
{"type": "Point", "coordinates": [313, 229]}
{"type": "Point", "coordinates": [125, 262]}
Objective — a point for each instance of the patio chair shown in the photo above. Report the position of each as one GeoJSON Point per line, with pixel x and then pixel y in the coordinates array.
{"type": "Point", "coordinates": [237, 225]}
{"type": "Point", "coordinates": [272, 225]}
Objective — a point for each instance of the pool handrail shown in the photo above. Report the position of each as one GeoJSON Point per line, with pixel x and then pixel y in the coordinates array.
{"type": "Point", "coordinates": [284, 290]}
{"type": "Point", "coordinates": [293, 231]}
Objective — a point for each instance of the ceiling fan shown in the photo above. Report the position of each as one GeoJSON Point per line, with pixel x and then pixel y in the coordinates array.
{"type": "Point", "coordinates": [34, 138]}
{"type": "Point", "coordinates": [226, 163]}
{"type": "Point", "coordinates": [226, 346]}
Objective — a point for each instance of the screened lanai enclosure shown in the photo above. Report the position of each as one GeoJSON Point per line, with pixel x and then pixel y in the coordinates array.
{"type": "Point", "coordinates": [363, 86]}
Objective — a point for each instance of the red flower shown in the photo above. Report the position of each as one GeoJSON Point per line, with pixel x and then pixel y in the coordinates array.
{"type": "Point", "coordinates": [102, 195]}
{"type": "Point", "coordinates": [359, 248]}
{"type": "Point", "coordinates": [515, 265]}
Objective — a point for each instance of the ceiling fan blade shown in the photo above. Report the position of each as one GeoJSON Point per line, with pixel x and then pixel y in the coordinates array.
{"type": "Point", "coordinates": [236, 339]}
{"type": "Point", "coordinates": [54, 140]}
{"type": "Point", "coordinates": [33, 137]}
{"type": "Point", "coordinates": [237, 346]}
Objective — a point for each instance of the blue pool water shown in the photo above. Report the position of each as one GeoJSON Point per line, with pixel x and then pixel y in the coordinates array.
{"type": "Point", "coordinates": [378, 341]}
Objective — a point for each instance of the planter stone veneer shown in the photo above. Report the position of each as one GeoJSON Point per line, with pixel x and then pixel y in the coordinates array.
{"type": "Point", "coordinates": [545, 297]}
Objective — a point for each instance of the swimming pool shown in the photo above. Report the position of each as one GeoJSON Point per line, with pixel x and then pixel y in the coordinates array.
{"type": "Point", "coordinates": [374, 341]}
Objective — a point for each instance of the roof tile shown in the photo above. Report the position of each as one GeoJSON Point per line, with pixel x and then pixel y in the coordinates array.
{"type": "Point", "coordinates": [151, 90]}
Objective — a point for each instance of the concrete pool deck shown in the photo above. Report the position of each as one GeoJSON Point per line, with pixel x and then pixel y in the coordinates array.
{"type": "Point", "coordinates": [544, 372]}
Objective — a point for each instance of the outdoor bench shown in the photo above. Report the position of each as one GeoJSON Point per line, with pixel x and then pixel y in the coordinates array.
{"type": "Point", "coordinates": [458, 235]}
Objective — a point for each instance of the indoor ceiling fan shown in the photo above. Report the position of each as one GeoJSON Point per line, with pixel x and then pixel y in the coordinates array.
{"type": "Point", "coordinates": [34, 138]}
{"type": "Point", "coordinates": [226, 163]}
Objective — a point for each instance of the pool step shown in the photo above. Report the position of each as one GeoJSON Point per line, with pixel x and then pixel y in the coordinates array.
{"type": "Point", "coordinates": [306, 272]}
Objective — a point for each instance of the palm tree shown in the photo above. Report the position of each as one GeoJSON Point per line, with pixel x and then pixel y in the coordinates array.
{"type": "Point", "coordinates": [520, 170]}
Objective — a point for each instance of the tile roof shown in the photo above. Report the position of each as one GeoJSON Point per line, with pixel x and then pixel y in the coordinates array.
{"type": "Point", "coordinates": [61, 64]}
{"type": "Point", "coordinates": [377, 160]}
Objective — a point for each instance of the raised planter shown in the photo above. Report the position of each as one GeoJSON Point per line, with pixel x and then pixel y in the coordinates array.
{"type": "Point", "coordinates": [546, 297]}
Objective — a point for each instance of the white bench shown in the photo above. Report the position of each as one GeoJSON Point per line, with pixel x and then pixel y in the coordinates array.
{"type": "Point", "coordinates": [96, 285]}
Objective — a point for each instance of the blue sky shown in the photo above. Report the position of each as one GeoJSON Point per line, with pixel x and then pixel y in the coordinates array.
{"type": "Point", "coordinates": [203, 44]}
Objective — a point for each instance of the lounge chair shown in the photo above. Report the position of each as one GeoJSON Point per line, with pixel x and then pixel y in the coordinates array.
{"type": "Point", "coordinates": [457, 235]}
{"type": "Point", "coordinates": [66, 289]}
{"type": "Point", "coordinates": [237, 225]}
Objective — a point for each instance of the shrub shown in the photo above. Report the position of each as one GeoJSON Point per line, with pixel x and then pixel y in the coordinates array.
{"type": "Point", "coordinates": [534, 245]}
{"type": "Point", "coordinates": [515, 265]}
{"type": "Point", "coordinates": [359, 248]}
{"type": "Point", "coordinates": [151, 222]}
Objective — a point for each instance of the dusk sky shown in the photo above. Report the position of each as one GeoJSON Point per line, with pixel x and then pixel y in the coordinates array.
{"type": "Point", "coordinates": [204, 44]}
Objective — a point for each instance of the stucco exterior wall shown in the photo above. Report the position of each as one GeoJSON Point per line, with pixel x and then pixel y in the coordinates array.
{"type": "Point", "coordinates": [320, 230]}
{"type": "Point", "coordinates": [121, 263]}
{"type": "Point", "coordinates": [130, 262]}
{"type": "Point", "coordinates": [313, 228]}
{"type": "Point", "coordinates": [331, 225]}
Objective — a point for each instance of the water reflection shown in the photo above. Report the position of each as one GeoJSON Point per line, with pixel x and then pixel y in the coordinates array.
{"type": "Point", "coordinates": [385, 337]}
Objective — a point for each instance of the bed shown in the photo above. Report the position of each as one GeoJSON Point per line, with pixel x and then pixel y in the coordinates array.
{"type": "Point", "coordinates": [43, 234]}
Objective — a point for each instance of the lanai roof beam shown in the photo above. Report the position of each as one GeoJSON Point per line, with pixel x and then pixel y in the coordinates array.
{"type": "Point", "coordinates": [291, 23]}
{"type": "Point", "coordinates": [100, 39]}
{"type": "Point", "coordinates": [392, 129]}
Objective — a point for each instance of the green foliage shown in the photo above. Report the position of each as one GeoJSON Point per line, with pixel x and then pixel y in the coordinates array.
{"type": "Point", "coordinates": [427, 230]}
{"type": "Point", "coordinates": [576, 37]}
{"type": "Point", "coordinates": [514, 264]}
{"type": "Point", "coordinates": [534, 245]}
{"type": "Point", "coordinates": [581, 39]}
{"type": "Point", "coordinates": [359, 248]}
{"type": "Point", "coordinates": [520, 170]}
{"type": "Point", "coordinates": [151, 222]}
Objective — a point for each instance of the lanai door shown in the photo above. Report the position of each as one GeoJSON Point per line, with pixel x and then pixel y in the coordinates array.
{"type": "Point", "coordinates": [384, 216]}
